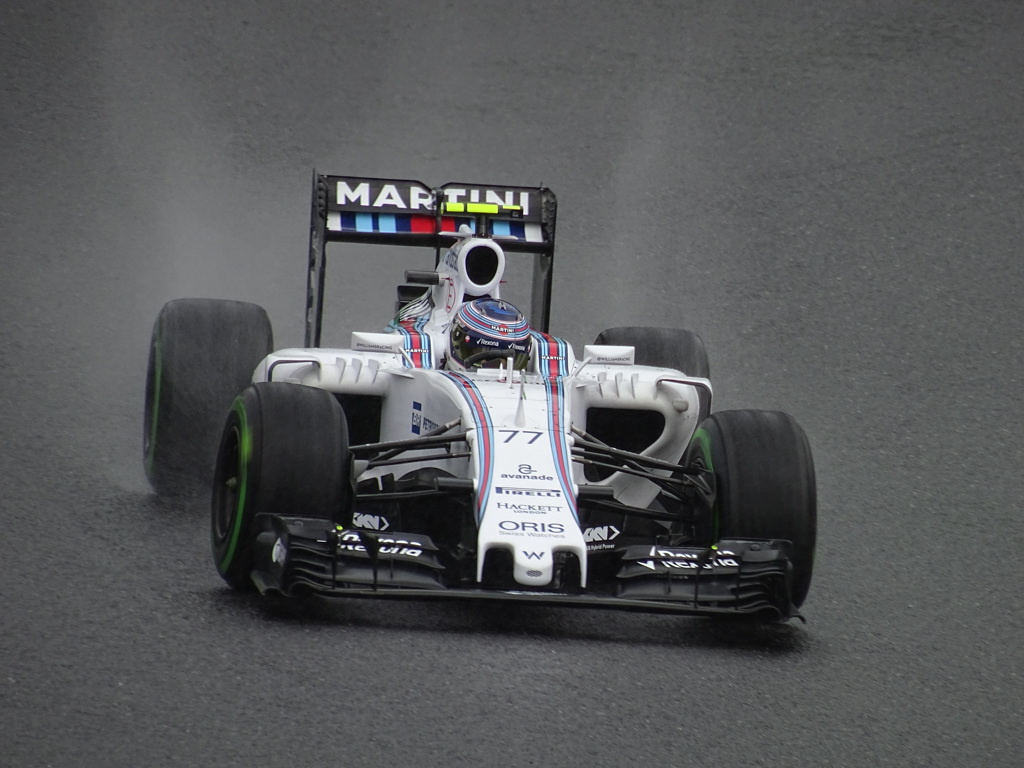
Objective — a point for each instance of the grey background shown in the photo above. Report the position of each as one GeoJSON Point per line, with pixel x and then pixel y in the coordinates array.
{"type": "Point", "coordinates": [829, 193]}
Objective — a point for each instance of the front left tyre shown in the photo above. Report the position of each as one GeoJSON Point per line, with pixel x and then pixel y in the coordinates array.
{"type": "Point", "coordinates": [201, 354]}
{"type": "Point", "coordinates": [284, 450]}
{"type": "Point", "coordinates": [665, 348]}
{"type": "Point", "coordinates": [765, 485]}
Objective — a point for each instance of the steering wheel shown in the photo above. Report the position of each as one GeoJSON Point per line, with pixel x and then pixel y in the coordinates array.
{"type": "Point", "coordinates": [488, 354]}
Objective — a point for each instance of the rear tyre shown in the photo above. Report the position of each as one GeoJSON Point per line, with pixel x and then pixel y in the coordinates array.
{"type": "Point", "coordinates": [284, 450]}
{"type": "Point", "coordinates": [201, 354]}
{"type": "Point", "coordinates": [765, 481]}
{"type": "Point", "coordinates": [666, 348]}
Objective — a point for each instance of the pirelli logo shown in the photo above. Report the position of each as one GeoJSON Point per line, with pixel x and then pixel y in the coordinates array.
{"type": "Point", "coordinates": [506, 490]}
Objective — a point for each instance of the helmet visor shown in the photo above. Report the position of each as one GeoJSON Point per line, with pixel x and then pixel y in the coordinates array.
{"type": "Point", "coordinates": [473, 351]}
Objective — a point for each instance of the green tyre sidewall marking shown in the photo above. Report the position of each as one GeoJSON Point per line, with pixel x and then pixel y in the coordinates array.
{"type": "Point", "coordinates": [703, 441]}
{"type": "Point", "coordinates": [154, 410]}
{"type": "Point", "coordinates": [244, 455]}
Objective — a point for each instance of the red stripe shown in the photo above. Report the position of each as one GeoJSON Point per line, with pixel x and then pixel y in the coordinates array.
{"type": "Point", "coordinates": [483, 439]}
{"type": "Point", "coordinates": [421, 224]}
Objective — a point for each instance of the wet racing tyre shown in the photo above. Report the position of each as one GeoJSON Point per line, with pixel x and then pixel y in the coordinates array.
{"type": "Point", "coordinates": [201, 354]}
{"type": "Point", "coordinates": [666, 348]}
{"type": "Point", "coordinates": [284, 450]}
{"type": "Point", "coordinates": [764, 474]}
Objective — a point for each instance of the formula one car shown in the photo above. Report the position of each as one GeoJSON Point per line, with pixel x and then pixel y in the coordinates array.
{"type": "Point", "coordinates": [463, 452]}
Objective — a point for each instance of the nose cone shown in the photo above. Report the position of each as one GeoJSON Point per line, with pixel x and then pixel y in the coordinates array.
{"type": "Point", "coordinates": [533, 566]}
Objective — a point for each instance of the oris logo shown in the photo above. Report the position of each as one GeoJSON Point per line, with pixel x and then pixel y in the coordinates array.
{"type": "Point", "coordinates": [529, 526]}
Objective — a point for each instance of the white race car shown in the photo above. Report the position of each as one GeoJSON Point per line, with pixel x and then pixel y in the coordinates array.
{"type": "Point", "coordinates": [463, 452]}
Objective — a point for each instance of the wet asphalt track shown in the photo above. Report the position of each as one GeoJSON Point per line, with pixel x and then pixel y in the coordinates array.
{"type": "Point", "coordinates": [832, 198]}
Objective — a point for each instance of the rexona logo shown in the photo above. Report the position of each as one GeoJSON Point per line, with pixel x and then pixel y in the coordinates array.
{"type": "Point", "coordinates": [371, 522]}
{"type": "Point", "coordinates": [661, 552]}
{"type": "Point", "coordinates": [666, 552]}
{"type": "Point", "coordinates": [600, 533]}
{"type": "Point", "coordinates": [350, 542]}
{"type": "Point", "coordinates": [721, 562]}
{"type": "Point", "coordinates": [508, 491]}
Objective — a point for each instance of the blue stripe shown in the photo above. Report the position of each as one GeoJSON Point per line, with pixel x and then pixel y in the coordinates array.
{"type": "Point", "coordinates": [557, 442]}
{"type": "Point", "coordinates": [485, 441]}
{"type": "Point", "coordinates": [364, 222]}
{"type": "Point", "coordinates": [473, 317]}
{"type": "Point", "coordinates": [563, 352]}
{"type": "Point", "coordinates": [386, 222]}
{"type": "Point", "coordinates": [500, 228]}
{"type": "Point", "coordinates": [427, 356]}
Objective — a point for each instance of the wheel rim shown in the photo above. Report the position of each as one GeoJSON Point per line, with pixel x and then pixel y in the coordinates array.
{"type": "Point", "coordinates": [701, 458]}
{"type": "Point", "coordinates": [228, 485]}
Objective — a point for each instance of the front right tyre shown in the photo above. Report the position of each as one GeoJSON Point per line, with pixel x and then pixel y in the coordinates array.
{"type": "Point", "coordinates": [284, 450]}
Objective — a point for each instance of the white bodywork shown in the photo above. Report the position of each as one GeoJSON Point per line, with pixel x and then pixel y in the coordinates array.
{"type": "Point", "coordinates": [519, 424]}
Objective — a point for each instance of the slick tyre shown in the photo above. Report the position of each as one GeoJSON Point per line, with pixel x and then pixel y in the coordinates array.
{"type": "Point", "coordinates": [284, 450]}
{"type": "Point", "coordinates": [764, 474]}
{"type": "Point", "coordinates": [666, 348]}
{"type": "Point", "coordinates": [201, 354]}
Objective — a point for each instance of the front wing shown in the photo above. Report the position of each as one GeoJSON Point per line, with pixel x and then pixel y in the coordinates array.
{"type": "Point", "coordinates": [736, 577]}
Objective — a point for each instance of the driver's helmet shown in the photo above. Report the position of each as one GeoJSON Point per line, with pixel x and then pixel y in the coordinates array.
{"type": "Point", "coordinates": [488, 325]}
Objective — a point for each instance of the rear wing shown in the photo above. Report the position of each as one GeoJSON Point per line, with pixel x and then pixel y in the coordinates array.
{"type": "Point", "coordinates": [349, 209]}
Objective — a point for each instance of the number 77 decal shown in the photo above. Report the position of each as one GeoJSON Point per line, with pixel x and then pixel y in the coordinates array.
{"type": "Point", "coordinates": [513, 433]}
